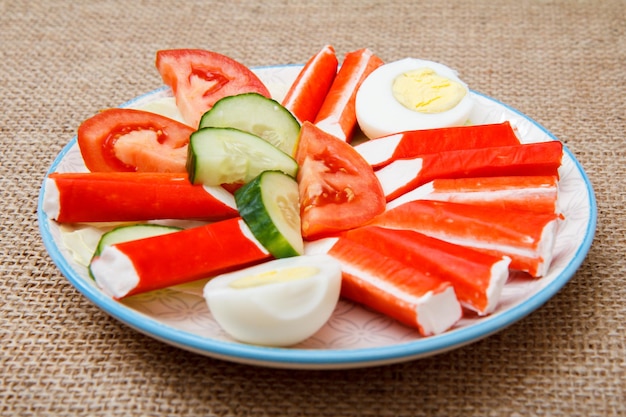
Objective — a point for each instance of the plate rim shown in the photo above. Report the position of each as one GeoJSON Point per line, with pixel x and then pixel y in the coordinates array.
{"type": "Point", "coordinates": [320, 359]}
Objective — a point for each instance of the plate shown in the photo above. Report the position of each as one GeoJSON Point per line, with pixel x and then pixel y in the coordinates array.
{"type": "Point", "coordinates": [354, 336]}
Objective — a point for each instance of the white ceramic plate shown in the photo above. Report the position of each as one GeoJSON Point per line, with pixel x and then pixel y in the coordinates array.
{"type": "Point", "coordinates": [354, 336]}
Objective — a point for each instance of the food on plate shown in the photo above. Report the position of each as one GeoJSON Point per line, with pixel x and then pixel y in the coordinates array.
{"type": "Point", "coordinates": [404, 175]}
{"type": "Point", "coordinates": [337, 115]}
{"type": "Point", "coordinates": [81, 241]}
{"type": "Point", "coordinates": [535, 193]}
{"type": "Point", "coordinates": [392, 287]}
{"type": "Point", "coordinates": [223, 155]}
{"type": "Point", "coordinates": [386, 149]}
{"type": "Point", "coordinates": [133, 140]}
{"type": "Point", "coordinates": [278, 303]}
{"type": "Point", "coordinates": [127, 233]}
{"type": "Point", "coordinates": [426, 218]}
{"type": "Point", "coordinates": [269, 206]}
{"type": "Point", "coordinates": [338, 188]}
{"type": "Point", "coordinates": [147, 264]}
{"type": "Point", "coordinates": [524, 236]}
{"type": "Point", "coordinates": [411, 94]}
{"type": "Point", "coordinates": [199, 78]}
{"type": "Point", "coordinates": [477, 277]}
{"type": "Point", "coordinates": [308, 91]}
{"type": "Point", "coordinates": [74, 197]}
{"type": "Point", "coordinates": [256, 114]}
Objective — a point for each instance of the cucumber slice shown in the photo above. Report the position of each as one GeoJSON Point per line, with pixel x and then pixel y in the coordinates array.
{"type": "Point", "coordinates": [269, 206]}
{"type": "Point", "coordinates": [130, 232]}
{"type": "Point", "coordinates": [259, 115]}
{"type": "Point", "coordinates": [228, 156]}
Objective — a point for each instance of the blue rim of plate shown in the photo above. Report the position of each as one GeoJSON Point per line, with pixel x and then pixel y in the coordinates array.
{"type": "Point", "coordinates": [293, 358]}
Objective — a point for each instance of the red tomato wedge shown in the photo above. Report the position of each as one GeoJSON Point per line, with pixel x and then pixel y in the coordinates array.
{"type": "Point", "coordinates": [308, 91]}
{"type": "Point", "coordinates": [128, 140]}
{"type": "Point", "coordinates": [199, 78]}
{"type": "Point", "coordinates": [338, 115]}
{"type": "Point", "coordinates": [338, 189]}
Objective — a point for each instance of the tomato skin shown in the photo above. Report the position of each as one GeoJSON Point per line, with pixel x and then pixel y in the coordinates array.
{"type": "Point", "coordinates": [338, 189]}
{"type": "Point", "coordinates": [199, 78]}
{"type": "Point", "coordinates": [97, 136]}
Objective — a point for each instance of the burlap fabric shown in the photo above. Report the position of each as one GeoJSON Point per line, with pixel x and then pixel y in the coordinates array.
{"type": "Point", "coordinates": [561, 62]}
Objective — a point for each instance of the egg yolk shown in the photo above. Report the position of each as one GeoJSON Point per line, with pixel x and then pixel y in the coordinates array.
{"type": "Point", "coordinates": [275, 276]}
{"type": "Point", "coordinates": [423, 90]}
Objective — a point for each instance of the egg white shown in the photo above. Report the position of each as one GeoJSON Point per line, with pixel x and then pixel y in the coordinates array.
{"type": "Point", "coordinates": [380, 114]}
{"type": "Point", "coordinates": [277, 313]}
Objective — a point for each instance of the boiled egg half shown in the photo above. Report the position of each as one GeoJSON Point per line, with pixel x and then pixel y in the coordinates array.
{"type": "Point", "coordinates": [411, 94]}
{"type": "Point", "coordinates": [278, 303]}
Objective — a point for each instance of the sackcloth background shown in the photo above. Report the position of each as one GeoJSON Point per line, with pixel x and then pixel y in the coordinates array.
{"type": "Point", "coordinates": [561, 62]}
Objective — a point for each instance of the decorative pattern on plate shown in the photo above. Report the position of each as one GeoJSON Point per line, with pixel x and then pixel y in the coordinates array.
{"type": "Point", "coordinates": [354, 336]}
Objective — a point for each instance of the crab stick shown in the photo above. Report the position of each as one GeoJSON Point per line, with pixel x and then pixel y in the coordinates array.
{"type": "Point", "coordinates": [524, 236]}
{"type": "Point", "coordinates": [404, 175]}
{"type": "Point", "coordinates": [132, 196]}
{"type": "Point", "coordinates": [535, 193]}
{"type": "Point", "coordinates": [307, 93]}
{"type": "Point", "coordinates": [477, 277]}
{"type": "Point", "coordinates": [384, 150]}
{"type": "Point", "coordinates": [337, 115]}
{"type": "Point", "coordinates": [392, 287]}
{"type": "Point", "coordinates": [153, 263]}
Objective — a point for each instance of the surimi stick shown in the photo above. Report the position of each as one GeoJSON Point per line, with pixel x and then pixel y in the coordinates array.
{"type": "Point", "coordinates": [394, 288]}
{"type": "Point", "coordinates": [307, 93]}
{"type": "Point", "coordinates": [384, 150]}
{"type": "Point", "coordinates": [132, 196]}
{"type": "Point", "coordinates": [153, 263]}
{"type": "Point", "coordinates": [526, 237]}
{"type": "Point", "coordinates": [477, 277]}
{"type": "Point", "coordinates": [404, 175]}
{"type": "Point", "coordinates": [535, 193]}
{"type": "Point", "coordinates": [337, 115]}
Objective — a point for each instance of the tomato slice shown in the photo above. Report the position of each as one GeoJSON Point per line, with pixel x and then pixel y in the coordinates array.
{"type": "Point", "coordinates": [338, 188]}
{"type": "Point", "coordinates": [199, 78]}
{"type": "Point", "coordinates": [133, 140]}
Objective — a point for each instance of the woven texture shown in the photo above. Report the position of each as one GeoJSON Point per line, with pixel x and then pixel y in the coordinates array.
{"type": "Point", "coordinates": [561, 62]}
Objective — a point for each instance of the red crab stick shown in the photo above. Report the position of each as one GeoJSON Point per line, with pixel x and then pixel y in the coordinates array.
{"type": "Point", "coordinates": [526, 237]}
{"type": "Point", "coordinates": [337, 115]}
{"type": "Point", "coordinates": [132, 196]}
{"type": "Point", "coordinates": [404, 175]}
{"type": "Point", "coordinates": [393, 288]}
{"type": "Point", "coordinates": [306, 95]}
{"type": "Point", "coordinates": [477, 277]}
{"type": "Point", "coordinates": [138, 266]}
{"type": "Point", "coordinates": [382, 151]}
{"type": "Point", "coordinates": [536, 193]}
